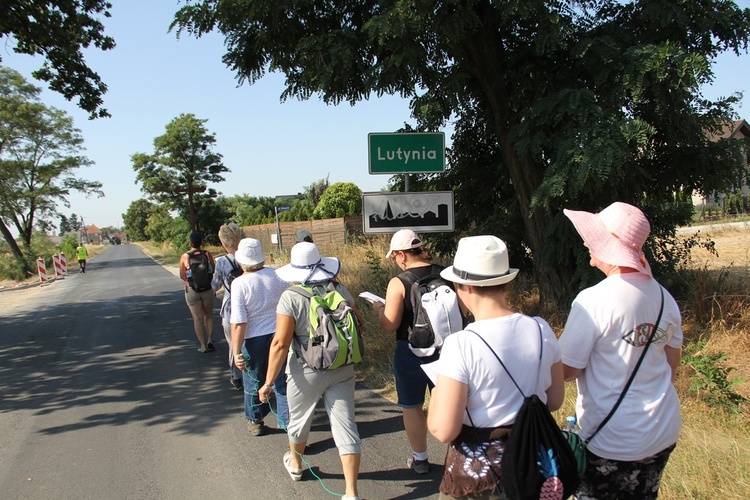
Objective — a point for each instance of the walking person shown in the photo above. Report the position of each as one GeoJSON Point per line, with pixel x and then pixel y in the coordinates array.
{"type": "Point", "coordinates": [306, 386]}
{"type": "Point", "coordinates": [626, 325]}
{"type": "Point", "coordinates": [196, 270]}
{"type": "Point", "coordinates": [475, 402]}
{"type": "Point", "coordinates": [254, 297]}
{"type": "Point", "coordinates": [227, 269]}
{"type": "Point", "coordinates": [397, 315]}
{"type": "Point", "coordinates": [82, 254]}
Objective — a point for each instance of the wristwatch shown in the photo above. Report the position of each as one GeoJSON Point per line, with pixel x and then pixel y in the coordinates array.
{"type": "Point", "coordinates": [270, 386]}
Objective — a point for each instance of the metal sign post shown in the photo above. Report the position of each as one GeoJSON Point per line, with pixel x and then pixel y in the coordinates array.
{"type": "Point", "coordinates": [278, 225]}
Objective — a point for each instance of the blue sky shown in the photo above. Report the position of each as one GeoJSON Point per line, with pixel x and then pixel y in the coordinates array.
{"type": "Point", "coordinates": [271, 148]}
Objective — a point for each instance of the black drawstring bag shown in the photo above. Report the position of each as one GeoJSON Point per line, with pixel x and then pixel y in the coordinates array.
{"type": "Point", "coordinates": [537, 462]}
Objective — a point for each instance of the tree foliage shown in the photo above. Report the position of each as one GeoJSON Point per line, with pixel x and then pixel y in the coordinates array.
{"type": "Point", "coordinates": [39, 154]}
{"type": "Point", "coordinates": [341, 199]}
{"type": "Point", "coordinates": [183, 162]}
{"type": "Point", "coordinates": [58, 31]}
{"type": "Point", "coordinates": [315, 191]}
{"type": "Point", "coordinates": [577, 103]}
{"type": "Point", "coordinates": [136, 219]}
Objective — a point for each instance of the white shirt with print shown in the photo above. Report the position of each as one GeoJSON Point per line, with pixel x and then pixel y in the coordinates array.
{"type": "Point", "coordinates": [605, 334]}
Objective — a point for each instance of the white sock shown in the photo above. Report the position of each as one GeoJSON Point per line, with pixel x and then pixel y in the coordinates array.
{"type": "Point", "coordinates": [419, 456]}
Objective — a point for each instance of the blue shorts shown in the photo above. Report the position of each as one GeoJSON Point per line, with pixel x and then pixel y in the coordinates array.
{"type": "Point", "coordinates": [411, 380]}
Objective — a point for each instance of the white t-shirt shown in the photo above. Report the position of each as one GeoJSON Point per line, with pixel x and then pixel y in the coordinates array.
{"type": "Point", "coordinates": [605, 322]}
{"type": "Point", "coordinates": [254, 299]}
{"type": "Point", "coordinates": [493, 399]}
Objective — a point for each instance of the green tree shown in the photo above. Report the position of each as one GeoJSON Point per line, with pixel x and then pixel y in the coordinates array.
{"type": "Point", "coordinates": [341, 199]}
{"type": "Point", "coordinates": [39, 154]}
{"type": "Point", "coordinates": [58, 31]}
{"type": "Point", "coordinates": [64, 226]}
{"type": "Point", "coordinates": [314, 191]}
{"type": "Point", "coordinates": [136, 219]}
{"type": "Point", "coordinates": [183, 162]}
{"type": "Point", "coordinates": [581, 103]}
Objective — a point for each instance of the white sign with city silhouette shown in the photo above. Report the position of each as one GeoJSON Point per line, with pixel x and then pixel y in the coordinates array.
{"type": "Point", "coordinates": [429, 211]}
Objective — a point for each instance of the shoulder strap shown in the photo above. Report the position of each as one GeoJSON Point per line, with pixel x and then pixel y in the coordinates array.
{"type": "Point", "coordinates": [301, 290]}
{"type": "Point", "coordinates": [635, 370]}
{"type": "Point", "coordinates": [541, 341]}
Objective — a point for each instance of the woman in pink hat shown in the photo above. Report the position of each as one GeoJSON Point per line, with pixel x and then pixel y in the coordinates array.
{"type": "Point", "coordinates": [622, 344]}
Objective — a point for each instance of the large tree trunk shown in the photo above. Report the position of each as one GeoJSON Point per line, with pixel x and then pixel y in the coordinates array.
{"type": "Point", "coordinates": [14, 248]}
{"type": "Point", "coordinates": [483, 61]}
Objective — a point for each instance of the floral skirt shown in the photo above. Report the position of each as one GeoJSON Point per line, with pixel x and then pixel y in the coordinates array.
{"type": "Point", "coordinates": [472, 466]}
{"type": "Point", "coordinates": [638, 480]}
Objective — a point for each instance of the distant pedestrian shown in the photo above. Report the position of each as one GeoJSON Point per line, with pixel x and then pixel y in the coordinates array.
{"type": "Point", "coordinates": [226, 265]}
{"type": "Point", "coordinates": [304, 235]}
{"type": "Point", "coordinates": [196, 270]}
{"type": "Point", "coordinates": [83, 254]}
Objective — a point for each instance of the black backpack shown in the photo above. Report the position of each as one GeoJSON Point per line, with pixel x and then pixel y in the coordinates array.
{"type": "Point", "coordinates": [537, 461]}
{"type": "Point", "coordinates": [436, 313]}
{"type": "Point", "coordinates": [201, 271]}
{"type": "Point", "coordinates": [236, 272]}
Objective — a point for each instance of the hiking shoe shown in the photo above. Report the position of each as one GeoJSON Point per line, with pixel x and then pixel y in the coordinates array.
{"type": "Point", "coordinates": [210, 347]}
{"type": "Point", "coordinates": [237, 383]}
{"type": "Point", "coordinates": [419, 466]}
{"type": "Point", "coordinates": [258, 429]}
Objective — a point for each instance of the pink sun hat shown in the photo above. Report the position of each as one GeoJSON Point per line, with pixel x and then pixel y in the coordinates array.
{"type": "Point", "coordinates": [615, 235]}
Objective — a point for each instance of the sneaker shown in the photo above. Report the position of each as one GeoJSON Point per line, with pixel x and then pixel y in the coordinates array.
{"type": "Point", "coordinates": [256, 429]}
{"type": "Point", "coordinates": [419, 466]}
{"type": "Point", "coordinates": [237, 383]}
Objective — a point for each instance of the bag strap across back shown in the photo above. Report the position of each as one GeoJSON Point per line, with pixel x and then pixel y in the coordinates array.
{"type": "Point", "coordinates": [632, 375]}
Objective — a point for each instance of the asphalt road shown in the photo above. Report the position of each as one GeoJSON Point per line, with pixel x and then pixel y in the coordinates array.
{"type": "Point", "coordinates": [104, 396]}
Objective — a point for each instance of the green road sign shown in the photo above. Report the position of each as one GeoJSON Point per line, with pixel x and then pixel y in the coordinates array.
{"type": "Point", "coordinates": [406, 153]}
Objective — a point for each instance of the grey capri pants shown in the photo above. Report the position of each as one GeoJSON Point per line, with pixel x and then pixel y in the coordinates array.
{"type": "Point", "coordinates": [304, 389]}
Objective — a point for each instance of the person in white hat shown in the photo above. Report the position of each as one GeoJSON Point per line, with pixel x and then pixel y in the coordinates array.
{"type": "Point", "coordinates": [605, 335]}
{"type": "Point", "coordinates": [306, 386]}
{"type": "Point", "coordinates": [397, 315]}
{"type": "Point", "coordinates": [253, 318]}
{"type": "Point", "coordinates": [471, 381]}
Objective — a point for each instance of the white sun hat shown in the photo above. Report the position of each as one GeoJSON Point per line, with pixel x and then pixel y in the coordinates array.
{"type": "Point", "coordinates": [249, 252]}
{"type": "Point", "coordinates": [615, 235]}
{"type": "Point", "coordinates": [307, 266]}
{"type": "Point", "coordinates": [480, 261]}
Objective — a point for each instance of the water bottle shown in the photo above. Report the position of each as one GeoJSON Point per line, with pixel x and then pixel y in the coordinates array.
{"type": "Point", "coordinates": [189, 275]}
{"type": "Point", "coordinates": [570, 424]}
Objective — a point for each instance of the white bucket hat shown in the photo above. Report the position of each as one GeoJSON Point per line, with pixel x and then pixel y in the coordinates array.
{"type": "Point", "coordinates": [480, 261]}
{"type": "Point", "coordinates": [615, 235]}
{"type": "Point", "coordinates": [307, 266]}
{"type": "Point", "coordinates": [405, 239]}
{"type": "Point", "coordinates": [249, 252]}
